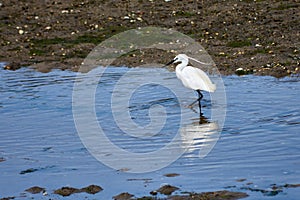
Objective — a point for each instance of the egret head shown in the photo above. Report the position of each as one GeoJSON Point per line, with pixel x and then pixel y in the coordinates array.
{"type": "Point", "coordinates": [182, 58]}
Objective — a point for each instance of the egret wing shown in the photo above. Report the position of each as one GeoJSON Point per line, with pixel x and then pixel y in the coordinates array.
{"type": "Point", "coordinates": [197, 79]}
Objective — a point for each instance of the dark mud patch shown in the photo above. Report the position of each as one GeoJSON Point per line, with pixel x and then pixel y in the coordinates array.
{"type": "Point", "coordinates": [272, 190]}
{"type": "Point", "coordinates": [146, 180]}
{"type": "Point", "coordinates": [171, 175]}
{"type": "Point", "coordinates": [67, 191]}
{"type": "Point", "coordinates": [240, 180]}
{"type": "Point", "coordinates": [7, 198]}
{"type": "Point", "coordinates": [266, 192]}
{"type": "Point", "coordinates": [31, 170]}
{"type": "Point", "coordinates": [217, 195]}
{"type": "Point", "coordinates": [292, 185]}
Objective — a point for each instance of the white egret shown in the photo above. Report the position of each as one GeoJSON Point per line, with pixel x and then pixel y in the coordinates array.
{"type": "Point", "coordinates": [192, 78]}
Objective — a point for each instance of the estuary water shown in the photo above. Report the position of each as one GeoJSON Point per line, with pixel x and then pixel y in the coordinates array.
{"type": "Point", "coordinates": [42, 144]}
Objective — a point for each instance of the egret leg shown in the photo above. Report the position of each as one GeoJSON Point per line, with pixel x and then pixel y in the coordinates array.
{"type": "Point", "coordinates": [199, 100]}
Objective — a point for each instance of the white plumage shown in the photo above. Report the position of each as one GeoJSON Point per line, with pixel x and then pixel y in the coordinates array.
{"type": "Point", "coordinates": [191, 77]}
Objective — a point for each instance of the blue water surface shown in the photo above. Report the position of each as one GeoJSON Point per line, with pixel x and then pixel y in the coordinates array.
{"type": "Point", "coordinates": [39, 144]}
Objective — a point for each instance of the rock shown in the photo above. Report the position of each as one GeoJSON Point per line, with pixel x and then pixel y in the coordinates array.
{"type": "Point", "coordinates": [92, 189]}
{"type": "Point", "coordinates": [123, 196]}
{"type": "Point", "coordinates": [167, 189]}
{"type": "Point", "coordinates": [35, 190]}
{"type": "Point", "coordinates": [12, 66]}
{"type": "Point", "coordinates": [66, 191]}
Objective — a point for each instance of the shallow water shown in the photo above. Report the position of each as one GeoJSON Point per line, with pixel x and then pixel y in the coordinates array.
{"type": "Point", "coordinates": [259, 142]}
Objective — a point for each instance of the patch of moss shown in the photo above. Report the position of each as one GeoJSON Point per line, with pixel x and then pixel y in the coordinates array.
{"type": "Point", "coordinates": [261, 51]}
{"type": "Point", "coordinates": [95, 38]}
{"type": "Point", "coordinates": [37, 52]}
{"type": "Point", "coordinates": [185, 13]}
{"type": "Point", "coordinates": [239, 43]}
{"type": "Point", "coordinates": [285, 6]}
{"type": "Point", "coordinates": [49, 41]}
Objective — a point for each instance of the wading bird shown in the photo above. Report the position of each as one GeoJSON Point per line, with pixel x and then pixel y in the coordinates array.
{"type": "Point", "coordinates": [192, 78]}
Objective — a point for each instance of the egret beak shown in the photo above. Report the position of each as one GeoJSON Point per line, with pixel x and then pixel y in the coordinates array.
{"type": "Point", "coordinates": [169, 63]}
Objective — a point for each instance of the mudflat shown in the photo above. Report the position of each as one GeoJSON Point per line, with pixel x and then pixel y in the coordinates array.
{"type": "Point", "coordinates": [247, 36]}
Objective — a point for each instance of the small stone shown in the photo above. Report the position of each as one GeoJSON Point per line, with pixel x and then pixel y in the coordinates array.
{"type": "Point", "coordinates": [12, 66]}
{"type": "Point", "coordinates": [154, 192]}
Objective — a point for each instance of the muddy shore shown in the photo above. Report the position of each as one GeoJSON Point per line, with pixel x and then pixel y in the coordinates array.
{"type": "Point", "coordinates": [257, 36]}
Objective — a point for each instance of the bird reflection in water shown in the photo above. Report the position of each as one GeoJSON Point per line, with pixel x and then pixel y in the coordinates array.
{"type": "Point", "coordinates": [200, 135]}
